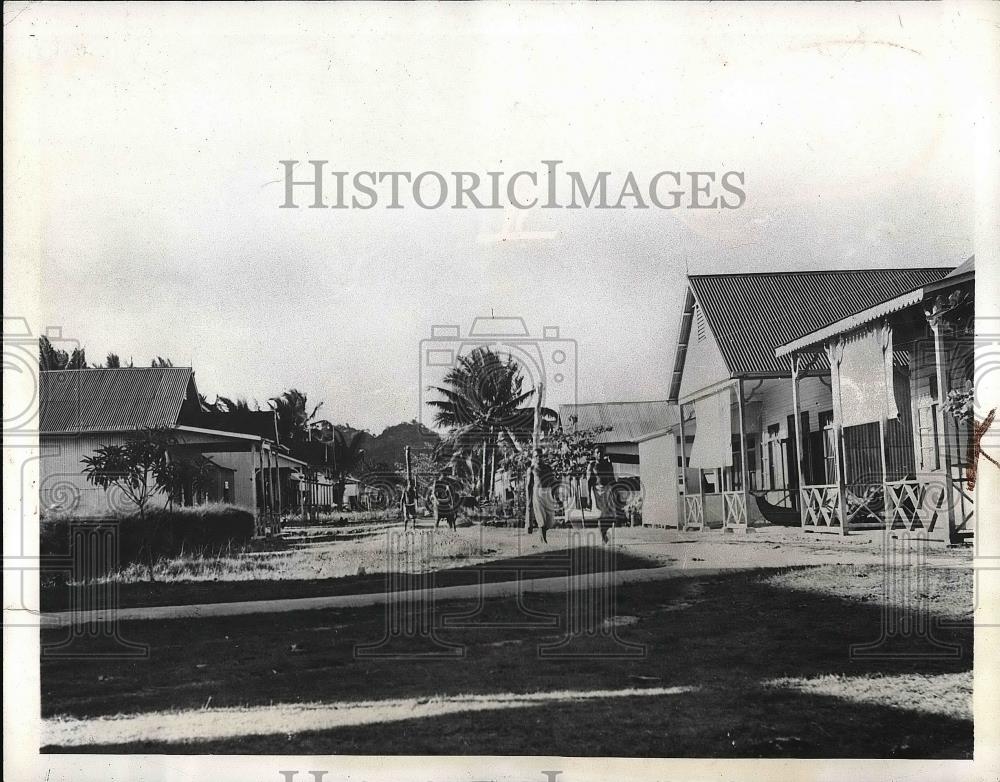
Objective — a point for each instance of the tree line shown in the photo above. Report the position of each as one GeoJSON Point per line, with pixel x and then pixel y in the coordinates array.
{"type": "Point", "coordinates": [51, 358]}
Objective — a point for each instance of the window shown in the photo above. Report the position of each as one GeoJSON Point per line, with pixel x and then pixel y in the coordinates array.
{"type": "Point", "coordinates": [927, 436]}
{"type": "Point", "coordinates": [710, 483]}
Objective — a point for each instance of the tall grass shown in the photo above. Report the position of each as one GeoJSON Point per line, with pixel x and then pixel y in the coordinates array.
{"type": "Point", "coordinates": [204, 531]}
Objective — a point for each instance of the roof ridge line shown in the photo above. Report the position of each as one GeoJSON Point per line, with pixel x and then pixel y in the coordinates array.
{"type": "Point", "coordinates": [620, 402]}
{"type": "Point", "coordinates": [109, 369]}
{"type": "Point", "coordinates": [824, 271]}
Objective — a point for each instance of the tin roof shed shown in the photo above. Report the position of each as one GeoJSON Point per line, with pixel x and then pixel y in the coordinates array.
{"type": "Point", "coordinates": [629, 421]}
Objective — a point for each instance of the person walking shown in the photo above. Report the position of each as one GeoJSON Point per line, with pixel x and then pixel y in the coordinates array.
{"type": "Point", "coordinates": [444, 502]}
{"type": "Point", "coordinates": [408, 504]}
{"type": "Point", "coordinates": [600, 477]}
{"type": "Point", "coordinates": [542, 512]}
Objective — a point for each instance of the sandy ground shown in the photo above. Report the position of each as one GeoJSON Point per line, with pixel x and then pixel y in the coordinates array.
{"type": "Point", "coordinates": [324, 552]}
{"type": "Point", "coordinates": [645, 554]}
{"type": "Point", "coordinates": [432, 549]}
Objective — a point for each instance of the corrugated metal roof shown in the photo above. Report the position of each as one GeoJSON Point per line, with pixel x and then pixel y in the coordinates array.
{"type": "Point", "coordinates": [814, 339]}
{"type": "Point", "coordinates": [629, 420]}
{"type": "Point", "coordinates": [752, 314]}
{"type": "Point", "coordinates": [113, 400]}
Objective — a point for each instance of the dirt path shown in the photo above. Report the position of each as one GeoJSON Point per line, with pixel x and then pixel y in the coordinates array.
{"type": "Point", "coordinates": [684, 555]}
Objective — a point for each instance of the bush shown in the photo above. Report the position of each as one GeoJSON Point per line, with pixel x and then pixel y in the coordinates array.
{"type": "Point", "coordinates": [205, 529]}
{"type": "Point", "coordinates": [340, 518]}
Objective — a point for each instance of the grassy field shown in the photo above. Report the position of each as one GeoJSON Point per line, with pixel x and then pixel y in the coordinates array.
{"type": "Point", "coordinates": [751, 664]}
{"type": "Point", "coordinates": [334, 561]}
{"type": "Point", "coordinates": [542, 564]}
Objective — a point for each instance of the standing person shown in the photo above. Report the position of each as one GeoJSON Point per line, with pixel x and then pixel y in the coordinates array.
{"type": "Point", "coordinates": [540, 495]}
{"type": "Point", "coordinates": [444, 502]}
{"type": "Point", "coordinates": [408, 503]}
{"type": "Point", "coordinates": [600, 476]}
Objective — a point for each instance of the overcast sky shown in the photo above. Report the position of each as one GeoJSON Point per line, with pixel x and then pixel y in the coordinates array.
{"type": "Point", "coordinates": [148, 149]}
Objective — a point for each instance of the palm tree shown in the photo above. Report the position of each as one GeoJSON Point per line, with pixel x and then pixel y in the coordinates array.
{"type": "Point", "coordinates": [483, 403]}
{"type": "Point", "coordinates": [347, 452]}
{"type": "Point", "coordinates": [49, 358]}
{"type": "Point", "coordinates": [224, 404]}
{"type": "Point", "coordinates": [294, 416]}
{"type": "Point", "coordinates": [348, 455]}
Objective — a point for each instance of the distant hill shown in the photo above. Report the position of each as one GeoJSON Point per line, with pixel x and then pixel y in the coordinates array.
{"type": "Point", "coordinates": [388, 448]}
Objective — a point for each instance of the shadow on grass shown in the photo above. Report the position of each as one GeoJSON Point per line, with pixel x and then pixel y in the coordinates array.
{"type": "Point", "coordinates": [712, 723]}
{"type": "Point", "coordinates": [727, 636]}
{"type": "Point", "coordinates": [554, 562]}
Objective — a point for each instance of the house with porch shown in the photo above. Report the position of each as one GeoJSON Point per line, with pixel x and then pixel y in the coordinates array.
{"type": "Point", "coordinates": [747, 438]}
{"type": "Point", "coordinates": [82, 410]}
{"type": "Point", "coordinates": [897, 451]}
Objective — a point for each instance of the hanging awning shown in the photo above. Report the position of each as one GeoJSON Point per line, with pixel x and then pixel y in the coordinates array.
{"type": "Point", "coordinates": [713, 439]}
{"type": "Point", "coordinates": [866, 378]}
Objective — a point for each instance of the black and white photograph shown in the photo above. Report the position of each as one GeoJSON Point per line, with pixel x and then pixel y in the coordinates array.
{"type": "Point", "coordinates": [502, 391]}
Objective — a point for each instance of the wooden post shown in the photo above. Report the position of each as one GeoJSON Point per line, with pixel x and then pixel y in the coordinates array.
{"type": "Point", "coordinates": [272, 460]}
{"type": "Point", "coordinates": [701, 496]}
{"type": "Point", "coordinates": [277, 473]}
{"type": "Point", "coordinates": [744, 468]}
{"type": "Point", "coordinates": [536, 437]}
{"type": "Point", "coordinates": [683, 451]}
{"type": "Point", "coordinates": [883, 419]}
{"type": "Point", "coordinates": [836, 352]}
{"type": "Point", "coordinates": [944, 428]}
{"type": "Point", "coordinates": [799, 456]}
{"type": "Point", "coordinates": [409, 476]}
{"type": "Point", "coordinates": [745, 471]}
{"type": "Point", "coordinates": [266, 478]}
{"type": "Point", "coordinates": [684, 484]}
{"type": "Point", "coordinates": [260, 480]}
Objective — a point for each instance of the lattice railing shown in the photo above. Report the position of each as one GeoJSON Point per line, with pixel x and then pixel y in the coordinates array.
{"type": "Point", "coordinates": [694, 511]}
{"type": "Point", "coordinates": [821, 508]}
{"type": "Point", "coordinates": [922, 506]}
{"type": "Point", "coordinates": [734, 510]}
{"type": "Point", "coordinates": [916, 506]}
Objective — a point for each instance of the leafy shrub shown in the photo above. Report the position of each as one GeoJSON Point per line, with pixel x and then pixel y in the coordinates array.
{"type": "Point", "coordinates": [204, 529]}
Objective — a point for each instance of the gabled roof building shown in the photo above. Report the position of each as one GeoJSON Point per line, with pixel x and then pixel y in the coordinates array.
{"type": "Point", "coordinates": [82, 410]}
{"type": "Point", "coordinates": [749, 443]}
